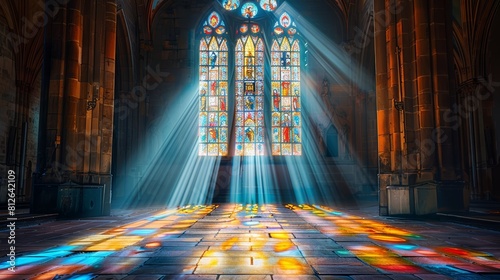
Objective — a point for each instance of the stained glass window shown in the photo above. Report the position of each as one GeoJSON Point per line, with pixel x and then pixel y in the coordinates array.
{"type": "Point", "coordinates": [286, 118]}
{"type": "Point", "coordinates": [230, 4]}
{"type": "Point", "coordinates": [213, 89]}
{"type": "Point", "coordinates": [249, 92]}
{"type": "Point", "coordinates": [249, 10]}
{"type": "Point", "coordinates": [284, 91]}
{"type": "Point", "coordinates": [268, 5]}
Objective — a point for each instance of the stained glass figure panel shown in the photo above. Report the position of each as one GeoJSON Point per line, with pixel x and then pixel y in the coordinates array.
{"type": "Point", "coordinates": [249, 10]}
{"type": "Point", "coordinates": [249, 91]}
{"type": "Point", "coordinates": [213, 89]}
{"type": "Point", "coordinates": [268, 5]}
{"type": "Point", "coordinates": [230, 5]}
{"type": "Point", "coordinates": [286, 119]}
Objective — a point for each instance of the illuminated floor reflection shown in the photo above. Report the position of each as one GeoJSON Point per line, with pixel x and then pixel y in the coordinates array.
{"type": "Point", "coordinates": [270, 240]}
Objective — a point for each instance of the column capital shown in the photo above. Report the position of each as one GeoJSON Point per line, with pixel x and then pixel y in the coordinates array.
{"type": "Point", "coordinates": [24, 86]}
{"type": "Point", "coordinates": [467, 87]}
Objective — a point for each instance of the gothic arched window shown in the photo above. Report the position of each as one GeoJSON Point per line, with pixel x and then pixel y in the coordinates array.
{"type": "Point", "coordinates": [249, 92]}
{"type": "Point", "coordinates": [213, 88]}
{"type": "Point", "coordinates": [247, 95]}
{"type": "Point", "coordinates": [285, 85]}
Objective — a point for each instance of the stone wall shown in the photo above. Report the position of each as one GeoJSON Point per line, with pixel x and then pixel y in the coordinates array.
{"type": "Point", "coordinates": [8, 114]}
{"type": "Point", "coordinates": [7, 103]}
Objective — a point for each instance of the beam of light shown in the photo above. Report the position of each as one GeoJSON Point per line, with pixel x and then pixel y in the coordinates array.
{"type": "Point", "coordinates": [175, 175]}
{"type": "Point", "coordinates": [332, 57]}
{"type": "Point", "coordinates": [253, 181]}
{"type": "Point", "coordinates": [310, 185]}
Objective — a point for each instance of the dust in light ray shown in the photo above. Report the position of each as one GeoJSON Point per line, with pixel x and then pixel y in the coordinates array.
{"type": "Point", "coordinates": [174, 174]}
{"type": "Point", "coordinates": [175, 168]}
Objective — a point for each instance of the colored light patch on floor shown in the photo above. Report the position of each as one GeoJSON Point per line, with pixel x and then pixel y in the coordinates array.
{"type": "Point", "coordinates": [461, 252]}
{"type": "Point", "coordinates": [281, 235]}
{"type": "Point", "coordinates": [216, 261]}
{"type": "Point", "coordinates": [386, 238]}
{"type": "Point", "coordinates": [296, 241]}
{"type": "Point", "coordinates": [153, 245]}
{"type": "Point", "coordinates": [406, 269]}
{"type": "Point", "coordinates": [82, 259]}
{"type": "Point", "coordinates": [82, 277]}
{"type": "Point", "coordinates": [161, 215]}
{"type": "Point", "coordinates": [157, 224]}
{"type": "Point", "coordinates": [370, 251]}
{"type": "Point", "coordinates": [349, 224]}
{"type": "Point", "coordinates": [181, 226]}
{"type": "Point", "coordinates": [354, 226]}
{"type": "Point", "coordinates": [115, 244]}
{"type": "Point", "coordinates": [59, 271]}
{"type": "Point", "coordinates": [393, 264]}
{"type": "Point", "coordinates": [54, 253]}
{"type": "Point", "coordinates": [141, 232]}
{"type": "Point", "coordinates": [137, 224]}
{"type": "Point", "coordinates": [115, 231]}
{"type": "Point", "coordinates": [26, 260]}
{"type": "Point", "coordinates": [91, 239]}
{"type": "Point", "coordinates": [406, 247]}
{"type": "Point", "coordinates": [486, 260]}
{"type": "Point", "coordinates": [283, 246]}
{"type": "Point", "coordinates": [434, 260]}
{"type": "Point", "coordinates": [251, 223]}
{"type": "Point", "coordinates": [398, 232]}
{"type": "Point", "coordinates": [293, 264]}
{"type": "Point", "coordinates": [412, 250]}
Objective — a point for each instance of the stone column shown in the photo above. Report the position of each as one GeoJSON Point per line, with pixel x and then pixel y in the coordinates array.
{"type": "Point", "coordinates": [475, 120]}
{"type": "Point", "coordinates": [108, 99]}
{"type": "Point", "coordinates": [447, 154]}
{"type": "Point", "coordinates": [416, 146]}
{"type": "Point", "coordinates": [97, 121]}
{"type": "Point", "coordinates": [81, 94]}
{"type": "Point", "coordinates": [425, 91]}
{"type": "Point", "coordinates": [383, 103]}
{"type": "Point", "coordinates": [70, 157]}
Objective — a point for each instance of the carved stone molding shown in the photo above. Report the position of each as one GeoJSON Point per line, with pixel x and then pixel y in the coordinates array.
{"type": "Point", "coordinates": [468, 87]}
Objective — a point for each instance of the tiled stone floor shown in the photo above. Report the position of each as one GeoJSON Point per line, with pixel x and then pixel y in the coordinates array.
{"type": "Point", "coordinates": [252, 242]}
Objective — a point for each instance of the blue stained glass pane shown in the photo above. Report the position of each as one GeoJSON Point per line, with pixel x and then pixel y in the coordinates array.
{"type": "Point", "coordinates": [268, 5]}
{"type": "Point", "coordinates": [230, 5]}
{"type": "Point", "coordinates": [249, 10]}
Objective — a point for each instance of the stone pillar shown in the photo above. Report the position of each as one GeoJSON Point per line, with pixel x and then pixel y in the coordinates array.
{"type": "Point", "coordinates": [99, 86]}
{"type": "Point", "coordinates": [70, 157]}
{"type": "Point", "coordinates": [475, 115]}
{"type": "Point", "coordinates": [23, 91]}
{"type": "Point", "coordinates": [63, 45]}
{"type": "Point", "coordinates": [383, 103]}
{"type": "Point", "coordinates": [443, 136]}
{"type": "Point", "coordinates": [416, 147]}
{"type": "Point", "coordinates": [81, 95]}
{"type": "Point", "coordinates": [53, 165]}
{"type": "Point", "coordinates": [425, 91]}
{"type": "Point", "coordinates": [108, 99]}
